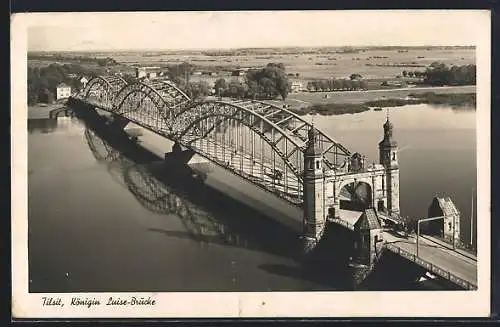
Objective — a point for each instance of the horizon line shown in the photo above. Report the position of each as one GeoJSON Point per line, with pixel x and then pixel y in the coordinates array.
{"type": "Point", "coordinates": [258, 48]}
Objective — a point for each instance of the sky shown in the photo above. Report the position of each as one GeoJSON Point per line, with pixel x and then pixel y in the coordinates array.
{"type": "Point", "coordinates": [218, 30]}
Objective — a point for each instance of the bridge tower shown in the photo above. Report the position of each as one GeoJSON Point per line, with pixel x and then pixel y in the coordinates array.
{"type": "Point", "coordinates": [388, 148]}
{"type": "Point", "coordinates": [313, 185]}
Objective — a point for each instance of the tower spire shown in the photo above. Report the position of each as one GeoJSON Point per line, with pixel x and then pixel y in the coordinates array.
{"type": "Point", "coordinates": [387, 112]}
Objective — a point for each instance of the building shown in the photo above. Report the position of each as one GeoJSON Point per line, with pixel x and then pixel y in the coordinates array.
{"type": "Point", "coordinates": [368, 239]}
{"type": "Point", "coordinates": [448, 227]}
{"type": "Point", "coordinates": [296, 86]}
{"type": "Point", "coordinates": [63, 91]}
{"type": "Point", "coordinates": [148, 72]}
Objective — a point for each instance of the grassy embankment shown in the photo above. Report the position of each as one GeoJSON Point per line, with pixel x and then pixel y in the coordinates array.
{"type": "Point", "coordinates": [455, 100]}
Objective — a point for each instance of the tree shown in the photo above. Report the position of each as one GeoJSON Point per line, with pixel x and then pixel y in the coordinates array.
{"type": "Point", "coordinates": [220, 86]}
{"type": "Point", "coordinates": [203, 88]}
{"type": "Point", "coordinates": [316, 85]}
{"type": "Point", "coordinates": [253, 89]}
{"type": "Point", "coordinates": [282, 86]}
{"type": "Point", "coordinates": [405, 73]}
{"type": "Point", "coordinates": [271, 80]}
{"type": "Point", "coordinates": [355, 76]}
{"type": "Point", "coordinates": [410, 74]}
{"type": "Point", "coordinates": [129, 78]}
{"type": "Point", "coordinates": [181, 71]}
{"type": "Point", "coordinates": [45, 96]}
{"type": "Point", "coordinates": [197, 90]}
{"type": "Point", "coordinates": [309, 86]}
{"type": "Point", "coordinates": [243, 90]}
{"type": "Point", "coordinates": [331, 84]}
{"type": "Point", "coordinates": [346, 85]}
{"type": "Point", "coordinates": [337, 84]}
{"type": "Point", "coordinates": [234, 89]}
{"type": "Point", "coordinates": [325, 86]}
{"type": "Point", "coordinates": [269, 87]}
{"type": "Point", "coordinates": [355, 85]}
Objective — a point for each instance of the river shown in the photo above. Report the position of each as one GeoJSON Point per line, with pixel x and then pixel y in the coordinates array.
{"type": "Point", "coordinates": [102, 221]}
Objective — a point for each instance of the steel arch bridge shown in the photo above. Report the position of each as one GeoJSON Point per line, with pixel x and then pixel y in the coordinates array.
{"type": "Point", "coordinates": [259, 141]}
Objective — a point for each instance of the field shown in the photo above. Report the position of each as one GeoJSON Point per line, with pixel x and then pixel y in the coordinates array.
{"type": "Point", "coordinates": [312, 66]}
{"type": "Point", "coordinates": [310, 63]}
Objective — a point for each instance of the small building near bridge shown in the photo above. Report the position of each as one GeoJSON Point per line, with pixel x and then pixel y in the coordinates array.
{"type": "Point", "coordinates": [63, 91]}
{"type": "Point", "coordinates": [368, 240]}
{"type": "Point", "coordinates": [449, 227]}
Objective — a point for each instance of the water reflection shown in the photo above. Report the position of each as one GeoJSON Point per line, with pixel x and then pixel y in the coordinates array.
{"type": "Point", "coordinates": [208, 217]}
{"type": "Point", "coordinates": [45, 125]}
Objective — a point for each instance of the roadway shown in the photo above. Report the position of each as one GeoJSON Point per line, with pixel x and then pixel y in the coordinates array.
{"type": "Point", "coordinates": [251, 168]}
{"type": "Point", "coordinates": [445, 258]}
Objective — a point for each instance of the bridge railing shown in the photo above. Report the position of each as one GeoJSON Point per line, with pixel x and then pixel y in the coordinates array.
{"type": "Point", "coordinates": [431, 267]}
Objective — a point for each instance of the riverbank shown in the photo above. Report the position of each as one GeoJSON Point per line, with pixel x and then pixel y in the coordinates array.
{"type": "Point", "coordinates": [360, 97]}
{"type": "Point", "coordinates": [42, 111]}
{"type": "Point", "coordinates": [466, 101]}
{"type": "Point", "coordinates": [454, 100]}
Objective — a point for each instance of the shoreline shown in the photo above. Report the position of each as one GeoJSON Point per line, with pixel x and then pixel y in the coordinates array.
{"type": "Point", "coordinates": [467, 101]}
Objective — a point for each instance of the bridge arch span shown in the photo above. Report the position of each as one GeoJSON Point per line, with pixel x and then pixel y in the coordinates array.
{"type": "Point", "coordinates": [104, 88]}
{"type": "Point", "coordinates": [331, 144]}
{"type": "Point", "coordinates": [203, 118]}
{"type": "Point", "coordinates": [164, 95]}
{"type": "Point", "coordinates": [288, 122]}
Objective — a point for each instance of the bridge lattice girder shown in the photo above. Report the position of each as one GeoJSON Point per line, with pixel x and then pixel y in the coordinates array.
{"type": "Point", "coordinates": [276, 125]}
{"type": "Point", "coordinates": [170, 112]}
{"type": "Point", "coordinates": [164, 97]}
{"type": "Point", "coordinates": [103, 88]}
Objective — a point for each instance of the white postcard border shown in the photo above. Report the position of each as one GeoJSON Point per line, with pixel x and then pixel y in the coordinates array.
{"type": "Point", "coordinates": [270, 304]}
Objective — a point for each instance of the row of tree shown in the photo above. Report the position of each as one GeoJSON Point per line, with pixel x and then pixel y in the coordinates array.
{"type": "Point", "coordinates": [42, 82]}
{"type": "Point", "coordinates": [440, 74]}
{"type": "Point", "coordinates": [336, 85]}
{"type": "Point", "coordinates": [107, 61]}
{"type": "Point", "coordinates": [413, 74]}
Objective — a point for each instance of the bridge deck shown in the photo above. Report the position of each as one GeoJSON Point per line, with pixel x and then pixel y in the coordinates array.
{"type": "Point", "coordinates": [438, 259]}
{"type": "Point", "coordinates": [251, 168]}
{"type": "Point", "coordinates": [458, 267]}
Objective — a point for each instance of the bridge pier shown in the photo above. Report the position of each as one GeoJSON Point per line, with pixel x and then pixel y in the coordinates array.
{"type": "Point", "coordinates": [119, 121]}
{"type": "Point", "coordinates": [178, 156]}
{"type": "Point", "coordinates": [81, 109]}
